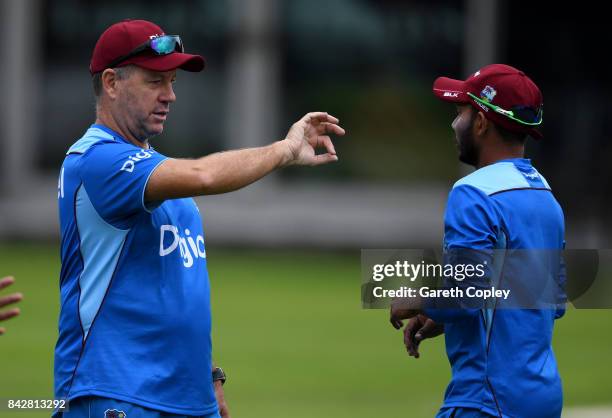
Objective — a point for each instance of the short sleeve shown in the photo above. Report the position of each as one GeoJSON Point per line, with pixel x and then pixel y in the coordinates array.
{"type": "Point", "coordinates": [471, 220]}
{"type": "Point", "coordinates": [115, 176]}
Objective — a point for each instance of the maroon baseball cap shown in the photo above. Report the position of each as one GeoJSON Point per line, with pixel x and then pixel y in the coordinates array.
{"type": "Point", "coordinates": [503, 87]}
{"type": "Point", "coordinates": [122, 38]}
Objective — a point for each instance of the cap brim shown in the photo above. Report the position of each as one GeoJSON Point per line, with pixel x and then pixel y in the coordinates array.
{"type": "Point", "coordinates": [187, 62]}
{"type": "Point", "coordinates": [450, 90]}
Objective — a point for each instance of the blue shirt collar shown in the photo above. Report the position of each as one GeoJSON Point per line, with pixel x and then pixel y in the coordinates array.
{"type": "Point", "coordinates": [109, 131]}
{"type": "Point", "coordinates": [114, 134]}
{"type": "Point", "coordinates": [523, 161]}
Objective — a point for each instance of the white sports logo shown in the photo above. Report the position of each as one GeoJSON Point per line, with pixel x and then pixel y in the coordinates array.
{"type": "Point", "coordinates": [451, 94]}
{"type": "Point", "coordinates": [189, 247]}
{"type": "Point", "coordinates": [533, 175]}
{"type": "Point", "coordinates": [486, 109]}
{"type": "Point", "coordinates": [129, 165]}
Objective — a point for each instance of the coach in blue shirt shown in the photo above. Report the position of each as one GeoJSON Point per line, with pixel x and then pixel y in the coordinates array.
{"type": "Point", "coordinates": [134, 327]}
{"type": "Point", "coordinates": [502, 360]}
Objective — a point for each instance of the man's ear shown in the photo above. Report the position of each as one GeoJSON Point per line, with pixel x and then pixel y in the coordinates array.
{"type": "Point", "coordinates": [109, 82]}
{"type": "Point", "coordinates": [481, 124]}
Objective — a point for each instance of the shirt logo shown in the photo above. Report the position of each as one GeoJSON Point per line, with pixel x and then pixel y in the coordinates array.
{"type": "Point", "coordinates": [534, 175]}
{"type": "Point", "coordinates": [170, 239]}
{"type": "Point", "coordinates": [451, 94]}
{"type": "Point", "coordinates": [129, 165]}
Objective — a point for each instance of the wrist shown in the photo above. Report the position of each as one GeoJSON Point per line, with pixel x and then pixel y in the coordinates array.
{"type": "Point", "coordinates": [284, 153]}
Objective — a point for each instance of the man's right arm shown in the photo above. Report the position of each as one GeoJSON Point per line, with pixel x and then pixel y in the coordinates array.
{"type": "Point", "coordinates": [231, 170]}
{"type": "Point", "coordinates": [418, 329]}
{"type": "Point", "coordinates": [471, 228]}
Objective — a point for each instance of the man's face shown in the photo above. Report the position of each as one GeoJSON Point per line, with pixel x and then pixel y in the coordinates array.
{"type": "Point", "coordinates": [143, 101]}
{"type": "Point", "coordinates": [464, 135]}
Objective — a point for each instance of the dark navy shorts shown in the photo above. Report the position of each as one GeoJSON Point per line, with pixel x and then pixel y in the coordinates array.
{"type": "Point", "coordinates": [461, 412]}
{"type": "Point", "coordinates": [97, 407]}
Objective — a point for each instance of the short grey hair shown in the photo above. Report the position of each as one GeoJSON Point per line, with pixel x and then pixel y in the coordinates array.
{"type": "Point", "coordinates": [122, 74]}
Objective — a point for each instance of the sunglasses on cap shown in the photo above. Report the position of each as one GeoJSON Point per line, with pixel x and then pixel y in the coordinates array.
{"type": "Point", "coordinates": [524, 115]}
{"type": "Point", "coordinates": [160, 45]}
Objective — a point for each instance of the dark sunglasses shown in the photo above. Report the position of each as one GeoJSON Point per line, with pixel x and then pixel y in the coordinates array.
{"type": "Point", "coordinates": [160, 45]}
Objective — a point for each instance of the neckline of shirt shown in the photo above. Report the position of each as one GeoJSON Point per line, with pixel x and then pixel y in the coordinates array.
{"type": "Point", "coordinates": [114, 134]}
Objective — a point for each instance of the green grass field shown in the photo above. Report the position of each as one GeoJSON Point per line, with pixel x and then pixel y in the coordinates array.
{"type": "Point", "coordinates": [290, 332]}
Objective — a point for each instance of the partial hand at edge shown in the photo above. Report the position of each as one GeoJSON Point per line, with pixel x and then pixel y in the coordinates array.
{"type": "Point", "coordinates": [8, 300]}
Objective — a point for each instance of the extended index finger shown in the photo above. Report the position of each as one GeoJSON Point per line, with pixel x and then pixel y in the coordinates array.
{"type": "Point", "coordinates": [320, 117]}
{"type": "Point", "coordinates": [4, 315]}
{"type": "Point", "coordinates": [9, 299]}
{"type": "Point", "coordinates": [6, 281]}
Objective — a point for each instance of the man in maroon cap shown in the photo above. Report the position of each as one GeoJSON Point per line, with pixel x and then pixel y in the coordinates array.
{"type": "Point", "coordinates": [134, 336]}
{"type": "Point", "coordinates": [501, 354]}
